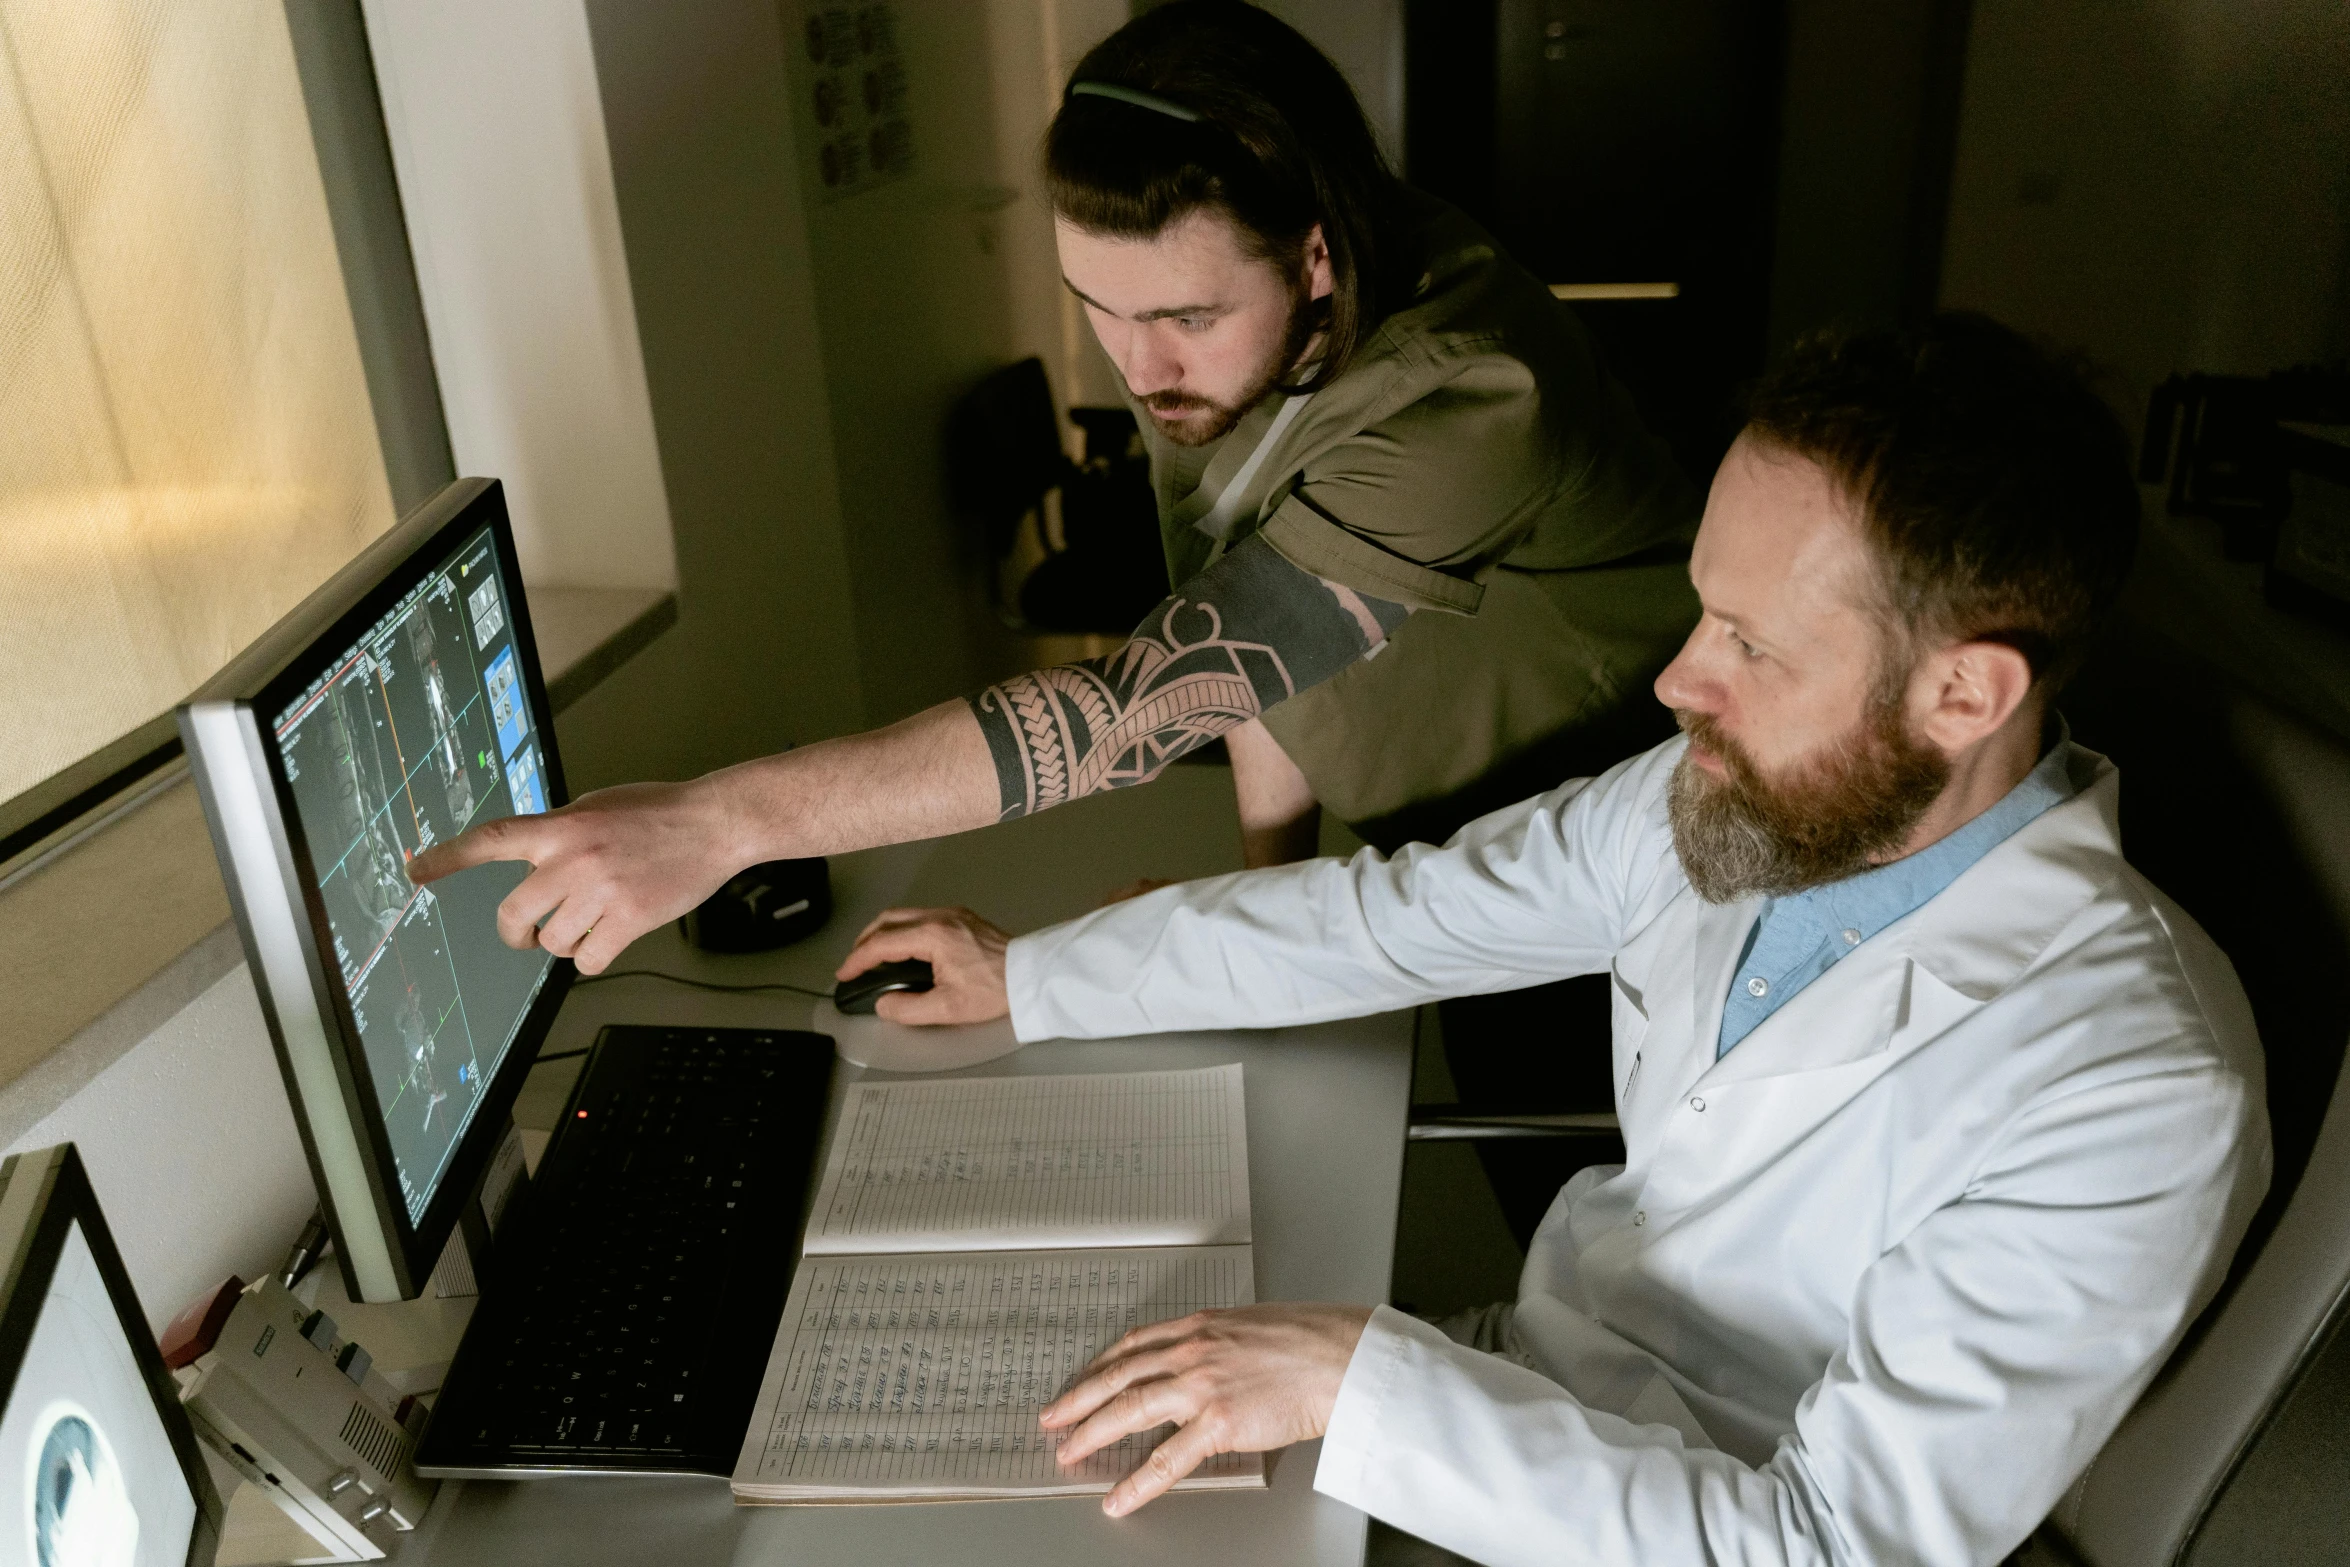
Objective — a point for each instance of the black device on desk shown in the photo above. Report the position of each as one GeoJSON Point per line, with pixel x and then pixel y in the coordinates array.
{"type": "Point", "coordinates": [762, 907]}
{"type": "Point", "coordinates": [401, 704]}
{"type": "Point", "coordinates": [860, 992]}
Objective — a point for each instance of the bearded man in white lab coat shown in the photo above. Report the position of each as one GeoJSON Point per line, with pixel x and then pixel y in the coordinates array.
{"type": "Point", "coordinates": [1940, 1122]}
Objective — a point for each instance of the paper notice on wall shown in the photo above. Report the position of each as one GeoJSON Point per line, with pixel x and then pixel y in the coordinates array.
{"type": "Point", "coordinates": [853, 113]}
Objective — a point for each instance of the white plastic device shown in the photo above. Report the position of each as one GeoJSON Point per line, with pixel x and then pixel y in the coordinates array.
{"type": "Point", "coordinates": [300, 1413]}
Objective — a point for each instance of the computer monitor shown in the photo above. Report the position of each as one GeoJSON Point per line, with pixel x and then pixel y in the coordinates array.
{"type": "Point", "coordinates": [98, 1463]}
{"type": "Point", "coordinates": [399, 705]}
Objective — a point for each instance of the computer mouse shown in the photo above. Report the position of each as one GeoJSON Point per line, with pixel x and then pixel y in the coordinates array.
{"type": "Point", "coordinates": [857, 994]}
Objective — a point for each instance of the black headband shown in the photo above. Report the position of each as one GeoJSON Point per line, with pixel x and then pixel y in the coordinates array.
{"type": "Point", "coordinates": [1135, 96]}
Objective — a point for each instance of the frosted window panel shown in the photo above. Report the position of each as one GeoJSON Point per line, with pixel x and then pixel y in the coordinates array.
{"type": "Point", "coordinates": [186, 444]}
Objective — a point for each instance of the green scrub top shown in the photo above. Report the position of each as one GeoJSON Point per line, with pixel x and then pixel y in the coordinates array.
{"type": "Point", "coordinates": [1476, 463]}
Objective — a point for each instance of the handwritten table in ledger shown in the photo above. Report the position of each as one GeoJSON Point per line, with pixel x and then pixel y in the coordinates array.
{"type": "Point", "coordinates": [925, 1374]}
{"type": "Point", "coordinates": [1110, 1159]}
{"type": "Point", "coordinates": [974, 1245]}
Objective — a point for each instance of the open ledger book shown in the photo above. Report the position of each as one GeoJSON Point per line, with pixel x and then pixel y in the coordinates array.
{"type": "Point", "coordinates": [975, 1243]}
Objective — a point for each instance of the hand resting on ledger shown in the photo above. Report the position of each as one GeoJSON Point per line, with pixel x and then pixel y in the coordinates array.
{"type": "Point", "coordinates": [1247, 1380]}
{"type": "Point", "coordinates": [1242, 1381]}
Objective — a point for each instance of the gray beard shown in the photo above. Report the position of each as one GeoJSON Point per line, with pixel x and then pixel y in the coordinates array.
{"type": "Point", "coordinates": [1844, 811]}
{"type": "Point", "coordinates": [1726, 853]}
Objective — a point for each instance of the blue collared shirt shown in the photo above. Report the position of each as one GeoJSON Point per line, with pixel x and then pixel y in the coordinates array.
{"type": "Point", "coordinates": [1799, 937]}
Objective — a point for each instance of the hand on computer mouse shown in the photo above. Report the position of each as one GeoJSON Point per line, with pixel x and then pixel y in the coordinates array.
{"type": "Point", "coordinates": [966, 958]}
{"type": "Point", "coordinates": [861, 993]}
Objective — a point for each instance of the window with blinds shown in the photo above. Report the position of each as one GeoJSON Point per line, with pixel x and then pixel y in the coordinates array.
{"type": "Point", "coordinates": [186, 442]}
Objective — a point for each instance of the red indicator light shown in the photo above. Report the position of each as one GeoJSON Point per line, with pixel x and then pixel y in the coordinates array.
{"type": "Point", "coordinates": [583, 1115]}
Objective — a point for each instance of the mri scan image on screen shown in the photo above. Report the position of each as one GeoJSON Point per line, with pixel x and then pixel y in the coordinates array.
{"type": "Point", "coordinates": [87, 1470]}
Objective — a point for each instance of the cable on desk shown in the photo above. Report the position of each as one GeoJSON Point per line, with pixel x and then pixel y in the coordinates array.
{"type": "Point", "coordinates": [697, 984]}
{"type": "Point", "coordinates": [674, 979]}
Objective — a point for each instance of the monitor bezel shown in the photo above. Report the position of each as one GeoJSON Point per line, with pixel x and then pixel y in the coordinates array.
{"type": "Point", "coordinates": [262, 684]}
{"type": "Point", "coordinates": [28, 1265]}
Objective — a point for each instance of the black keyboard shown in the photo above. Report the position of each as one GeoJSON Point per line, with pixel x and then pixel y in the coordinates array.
{"type": "Point", "coordinates": [637, 1287]}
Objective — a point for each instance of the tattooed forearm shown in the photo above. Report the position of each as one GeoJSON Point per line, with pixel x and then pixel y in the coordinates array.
{"type": "Point", "coordinates": [1246, 633]}
{"type": "Point", "coordinates": [1077, 728]}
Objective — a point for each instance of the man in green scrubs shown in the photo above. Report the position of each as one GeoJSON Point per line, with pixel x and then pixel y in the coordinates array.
{"type": "Point", "coordinates": [1425, 559]}
{"type": "Point", "coordinates": [1473, 464]}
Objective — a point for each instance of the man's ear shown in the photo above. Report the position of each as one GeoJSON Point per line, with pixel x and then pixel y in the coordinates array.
{"type": "Point", "coordinates": [1319, 279]}
{"type": "Point", "coordinates": [1970, 690]}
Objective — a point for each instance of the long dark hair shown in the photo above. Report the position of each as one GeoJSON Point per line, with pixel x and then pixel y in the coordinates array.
{"type": "Point", "coordinates": [1279, 144]}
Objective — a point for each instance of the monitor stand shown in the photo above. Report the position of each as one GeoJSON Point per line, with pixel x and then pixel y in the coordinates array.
{"type": "Point", "coordinates": [469, 1261]}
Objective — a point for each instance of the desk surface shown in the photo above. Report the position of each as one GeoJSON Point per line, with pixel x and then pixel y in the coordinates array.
{"type": "Point", "coordinates": [1326, 1116]}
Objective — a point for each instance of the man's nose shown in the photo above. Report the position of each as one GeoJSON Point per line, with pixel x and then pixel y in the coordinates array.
{"type": "Point", "coordinates": [1147, 366]}
{"type": "Point", "coordinates": [1679, 685]}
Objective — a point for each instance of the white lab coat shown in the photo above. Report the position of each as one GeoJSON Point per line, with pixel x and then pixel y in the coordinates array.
{"type": "Point", "coordinates": [1874, 1287]}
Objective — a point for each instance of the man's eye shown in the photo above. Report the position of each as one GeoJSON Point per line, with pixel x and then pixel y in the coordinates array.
{"type": "Point", "coordinates": [1745, 647]}
{"type": "Point", "coordinates": [1195, 323]}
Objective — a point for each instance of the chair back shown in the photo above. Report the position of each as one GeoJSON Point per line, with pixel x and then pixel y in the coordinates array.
{"type": "Point", "coordinates": [2240, 812]}
{"type": "Point", "coordinates": [1003, 452]}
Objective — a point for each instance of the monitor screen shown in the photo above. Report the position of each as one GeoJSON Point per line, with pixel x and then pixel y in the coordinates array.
{"type": "Point", "coordinates": [417, 730]}
{"type": "Point", "coordinates": [87, 1469]}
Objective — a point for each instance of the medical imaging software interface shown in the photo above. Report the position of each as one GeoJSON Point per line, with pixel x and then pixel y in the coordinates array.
{"type": "Point", "coordinates": [412, 735]}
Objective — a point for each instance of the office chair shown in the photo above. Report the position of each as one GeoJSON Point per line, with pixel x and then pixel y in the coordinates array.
{"type": "Point", "coordinates": [1003, 454]}
{"type": "Point", "coordinates": [1458, 1123]}
{"type": "Point", "coordinates": [2241, 813]}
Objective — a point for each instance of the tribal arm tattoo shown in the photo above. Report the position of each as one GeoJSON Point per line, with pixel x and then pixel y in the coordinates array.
{"type": "Point", "coordinates": [1248, 632]}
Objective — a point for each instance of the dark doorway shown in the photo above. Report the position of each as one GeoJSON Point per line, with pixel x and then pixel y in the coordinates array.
{"type": "Point", "coordinates": [1612, 145]}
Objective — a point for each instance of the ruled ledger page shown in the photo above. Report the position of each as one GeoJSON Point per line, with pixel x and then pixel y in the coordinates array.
{"type": "Point", "coordinates": [1037, 1163]}
{"type": "Point", "coordinates": [903, 1378]}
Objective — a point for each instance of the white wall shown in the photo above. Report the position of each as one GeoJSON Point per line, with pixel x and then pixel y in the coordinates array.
{"type": "Point", "coordinates": [703, 161]}
{"type": "Point", "coordinates": [2164, 183]}
{"type": "Point", "coordinates": [497, 137]}
{"type": "Point", "coordinates": [191, 1147]}
{"type": "Point", "coordinates": [1083, 377]}
{"type": "Point", "coordinates": [913, 306]}
{"type": "Point", "coordinates": [1032, 46]}
{"type": "Point", "coordinates": [1365, 39]}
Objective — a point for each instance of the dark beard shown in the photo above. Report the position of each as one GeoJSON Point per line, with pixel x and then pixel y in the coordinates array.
{"type": "Point", "coordinates": [1167, 408]}
{"type": "Point", "coordinates": [1836, 813]}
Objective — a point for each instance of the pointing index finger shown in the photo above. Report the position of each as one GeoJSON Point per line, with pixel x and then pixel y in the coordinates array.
{"type": "Point", "coordinates": [502, 839]}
